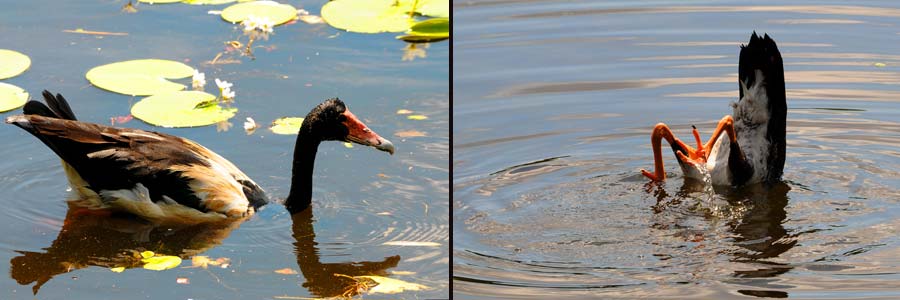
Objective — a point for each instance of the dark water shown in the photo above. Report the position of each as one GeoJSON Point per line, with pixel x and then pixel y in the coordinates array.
{"type": "Point", "coordinates": [553, 106]}
{"type": "Point", "coordinates": [362, 199]}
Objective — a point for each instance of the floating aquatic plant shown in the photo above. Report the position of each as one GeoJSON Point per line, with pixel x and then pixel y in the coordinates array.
{"type": "Point", "coordinates": [11, 97]}
{"type": "Point", "coordinates": [140, 77]}
{"type": "Point", "coordinates": [278, 13]}
{"type": "Point", "coordinates": [431, 30]}
{"type": "Point", "coordinates": [182, 109]}
{"type": "Point", "coordinates": [286, 125]}
{"type": "Point", "coordinates": [13, 63]}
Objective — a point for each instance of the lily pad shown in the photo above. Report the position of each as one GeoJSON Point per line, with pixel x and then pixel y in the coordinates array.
{"type": "Point", "coordinates": [277, 12]}
{"type": "Point", "coordinates": [208, 2]}
{"type": "Point", "coordinates": [140, 77]}
{"type": "Point", "coordinates": [159, 1]}
{"type": "Point", "coordinates": [286, 125]}
{"type": "Point", "coordinates": [178, 109]}
{"type": "Point", "coordinates": [367, 16]}
{"type": "Point", "coordinates": [433, 8]}
{"type": "Point", "coordinates": [431, 30]}
{"type": "Point", "coordinates": [11, 97]}
{"type": "Point", "coordinates": [159, 263]}
{"type": "Point", "coordinates": [12, 63]}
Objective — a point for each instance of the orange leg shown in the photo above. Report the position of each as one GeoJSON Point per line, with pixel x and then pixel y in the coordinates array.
{"type": "Point", "coordinates": [726, 125]}
{"type": "Point", "coordinates": [659, 132]}
{"type": "Point", "coordinates": [699, 155]}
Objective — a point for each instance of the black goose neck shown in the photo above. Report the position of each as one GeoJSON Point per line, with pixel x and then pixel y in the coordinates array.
{"type": "Point", "coordinates": [300, 196]}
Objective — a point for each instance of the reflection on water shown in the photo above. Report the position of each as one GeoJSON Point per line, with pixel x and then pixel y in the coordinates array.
{"type": "Point", "coordinates": [320, 277]}
{"type": "Point", "coordinates": [548, 200]}
{"type": "Point", "coordinates": [98, 238]}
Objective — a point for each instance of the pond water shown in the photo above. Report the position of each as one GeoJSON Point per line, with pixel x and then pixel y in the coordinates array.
{"type": "Point", "coordinates": [554, 102]}
{"type": "Point", "coordinates": [362, 199]}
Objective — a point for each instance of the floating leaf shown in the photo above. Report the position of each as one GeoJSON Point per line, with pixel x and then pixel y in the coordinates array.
{"type": "Point", "coordinates": [367, 16]}
{"type": "Point", "coordinates": [412, 244]}
{"type": "Point", "coordinates": [204, 261]}
{"type": "Point", "coordinates": [140, 77]}
{"type": "Point", "coordinates": [208, 2]}
{"type": "Point", "coordinates": [159, 1]}
{"type": "Point", "coordinates": [433, 8]}
{"type": "Point", "coordinates": [117, 269]}
{"type": "Point", "coordinates": [147, 254]}
{"type": "Point", "coordinates": [129, 8]}
{"type": "Point", "coordinates": [431, 30]}
{"type": "Point", "coordinates": [404, 112]}
{"type": "Point", "coordinates": [417, 117]}
{"type": "Point", "coordinates": [880, 65]}
{"type": "Point", "coordinates": [348, 145]}
{"type": "Point", "coordinates": [11, 97]}
{"type": "Point", "coordinates": [277, 12]}
{"type": "Point", "coordinates": [286, 125]}
{"type": "Point", "coordinates": [200, 261]}
{"type": "Point", "coordinates": [286, 271]}
{"type": "Point", "coordinates": [177, 109]}
{"type": "Point", "coordinates": [391, 286]}
{"type": "Point", "coordinates": [12, 63]}
{"type": "Point", "coordinates": [409, 133]}
{"type": "Point", "coordinates": [159, 263]}
{"type": "Point", "coordinates": [120, 120]}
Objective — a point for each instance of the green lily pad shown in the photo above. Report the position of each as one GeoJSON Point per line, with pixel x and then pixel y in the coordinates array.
{"type": "Point", "coordinates": [140, 77]}
{"type": "Point", "coordinates": [11, 97]}
{"type": "Point", "coordinates": [178, 109]}
{"type": "Point", "coordinates": [433, 8]}
{"type": "Point", "coordinates": [286, 125]}
{"type": "Point", "coordinates": [159, 1]}
{"type": "Point", "coordinates": [159, 263]}
{"type": "Point", "coordinates": [431, 30]}
{"type": "Point", "coordinates": [207, 2]}
{"type": "Point", "coordinates": [367, 16]}
{"type": "Point", "coordinates": [277, 12]}
{"type": "Point", "coordinates": [12, 63]}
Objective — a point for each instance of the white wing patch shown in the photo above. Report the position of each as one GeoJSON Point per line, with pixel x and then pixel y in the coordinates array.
{"type": "Point", "coordinates": [137, 201]}
{"type": "Point", "coordinates": [751, 114]}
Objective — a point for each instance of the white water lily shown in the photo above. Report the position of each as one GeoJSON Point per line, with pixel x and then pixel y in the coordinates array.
{"type": "Point", "coordinates": [250, 125]}
{"type": "Point", "coordinates": [227, 94]}
{"type": "Point", "coordinates": [262, 24]}
{"type": "Point", "coordinates": [198, 81]}
{"type": "Point", "coordinates": [222, 84]}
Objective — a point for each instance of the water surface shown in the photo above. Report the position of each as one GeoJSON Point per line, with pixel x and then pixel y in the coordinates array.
{"type": "Point", "coordinates": [554, 102]}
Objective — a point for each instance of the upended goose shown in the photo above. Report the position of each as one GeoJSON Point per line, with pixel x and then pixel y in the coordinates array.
{"type": "Point", "coordinates": [169, 179]}
{"type": "Point", "coordinates": [753, 148]}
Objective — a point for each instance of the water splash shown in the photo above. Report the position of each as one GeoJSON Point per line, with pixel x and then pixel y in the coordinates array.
{"type": "Point", "coordinates": [708, 194]}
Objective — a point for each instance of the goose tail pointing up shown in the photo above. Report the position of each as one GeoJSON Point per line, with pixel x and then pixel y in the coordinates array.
{"type": "Point", "coordinates": [56, 107]}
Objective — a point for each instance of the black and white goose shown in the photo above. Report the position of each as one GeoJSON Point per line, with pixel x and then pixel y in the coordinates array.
{"type": "Point", "coordinates": [169, 179]}
{"type": "Point", "coordinates": [754, 148]}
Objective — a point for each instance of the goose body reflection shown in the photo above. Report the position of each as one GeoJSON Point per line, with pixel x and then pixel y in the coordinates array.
{"type": "Point", "coordinates": [113, 240]}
